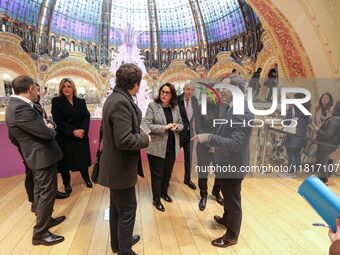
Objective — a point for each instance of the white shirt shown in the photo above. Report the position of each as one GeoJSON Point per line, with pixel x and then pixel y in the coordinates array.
{"type": "Point", "coordinates": [26, 100]}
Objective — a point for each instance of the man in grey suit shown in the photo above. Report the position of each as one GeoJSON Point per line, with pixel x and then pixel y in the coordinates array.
{"type": "Point", "coordinates": [40, 152]}
{"type": "Point", "coordinates": [120, 160]}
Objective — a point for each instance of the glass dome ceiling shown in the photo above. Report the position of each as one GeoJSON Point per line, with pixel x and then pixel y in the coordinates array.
{"type": "Point", "coordinates": [176, 21]}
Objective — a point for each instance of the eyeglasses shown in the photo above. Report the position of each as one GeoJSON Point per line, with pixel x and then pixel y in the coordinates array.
{"type": "Point", "coordinates": [165, 93]}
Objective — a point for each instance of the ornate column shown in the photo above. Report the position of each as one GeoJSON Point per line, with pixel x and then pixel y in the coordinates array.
{"type": "Point", "coordinates": [104, 36]}
{"type": "Point", "coordinates": [44, 24]}
{"type": "Point", "coordinates": [154, 35]}
{"type": "Point", "coordinates": [201, 32]}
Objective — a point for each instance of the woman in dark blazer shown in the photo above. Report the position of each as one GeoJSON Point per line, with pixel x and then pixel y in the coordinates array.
{"type": "Point", "coordinates": [73, 119]}
{"type": "Point", "coordinates": [164, 120]}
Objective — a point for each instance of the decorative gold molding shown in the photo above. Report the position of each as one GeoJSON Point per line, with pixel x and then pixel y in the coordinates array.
{"type": "Point", "coordinates": [224, 66]}
{"type": "Point", "coordinates": [178, 71]}
{"type": "Point", "coordinates": [14, 58]}
{"type": "Point", "coordinates": [75, 66]}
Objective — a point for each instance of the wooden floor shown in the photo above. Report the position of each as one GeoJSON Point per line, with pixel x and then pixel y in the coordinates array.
{"type": "Point", "coordinates": [276, 220]}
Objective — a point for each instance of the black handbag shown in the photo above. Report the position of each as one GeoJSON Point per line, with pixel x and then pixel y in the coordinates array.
{"type": "Point", "coordinates": [96, 165]}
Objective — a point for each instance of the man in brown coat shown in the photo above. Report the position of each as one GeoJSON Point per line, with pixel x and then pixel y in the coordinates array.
{"type": "Point", "coordinates": [120, 160]}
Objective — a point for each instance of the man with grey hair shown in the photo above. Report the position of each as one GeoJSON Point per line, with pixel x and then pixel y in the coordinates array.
{"type": "Point", "coordinates": [231, 147]}
{"type": "Point", "coordinates": [188, 105]}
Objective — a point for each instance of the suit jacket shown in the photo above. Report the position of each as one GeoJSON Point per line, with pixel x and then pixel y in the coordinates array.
{"type": "Point", "coordinates": [122, 141]}
{"type": "Point", "coordinates": [335, 248]}
{"type": "Point", "coordinates": [187, 125]}
{"type": "Point", "coordinates": [232, 142]}
{"type": "Point", "coordinates": [156, 121]}
{"type": "Point", "coordinates": [36, 141]}
{"type": "Point", "coordinates": [68, 118]}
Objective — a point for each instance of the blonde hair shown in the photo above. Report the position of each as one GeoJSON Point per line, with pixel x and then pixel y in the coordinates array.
{"type": "Point", "coordinates": [61, 85]}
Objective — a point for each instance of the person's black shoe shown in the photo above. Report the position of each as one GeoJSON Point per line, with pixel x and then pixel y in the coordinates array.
{"type": "Point", "coordinates": [89, 184]}
{"type": "Point", "coordinates": [223, 242]}
{"type": "Point", "coordinates": [190, 184]}
{"type": "Point", "coordinates": [167, 198]}
{"type": "Point", "coordinates": [68, 189]}
{"type": "Point", "coordinates": [159, 206]}
{"type": "Point", "coordinates": [219, 198]}
{"type": "Point", "coordinates": [32, 208]}
{"type": "Point", "coordinates": [135, 239]}
{"type": "Point", "coordinates": [202, 204]}
{"type": "Point", "coordinates": [56, 221]}
{"type": "Point", "coordinates": [220, 220]}
{"type": "Point", "coordinates": [62, 195]}
{"type": "Point", "coordinates": [48, 239]}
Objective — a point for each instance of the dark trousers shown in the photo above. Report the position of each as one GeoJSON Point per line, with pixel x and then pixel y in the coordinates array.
{"type": "Point", "coordinates": [66, 176]}
{"type": "Point", "coordinates": [45, 190]}
{"type": "Point", "coordinates": [187, 148]}
{"type": "Point", "coordinates": [161, 170]}
{"type": "Point", "coordinates": [294, 158]}
{"type": "Point", "coordinates": [231, 191]}
{"type": "Point", "coordinates": [204, 158]}
{"type": "Point", "coordinates": [203, 186]}
{"type": "Point", "coordinates": [123, 205]}
{"type": "Point", "coordinates": [322, 159]}
{"type": "Point", "coordinates": [29, 183]}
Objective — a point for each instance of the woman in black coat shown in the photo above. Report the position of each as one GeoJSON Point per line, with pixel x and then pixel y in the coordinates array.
{"type": "Point", "coordinates": [73, 119]}
{"type": "Point", "coordinates": [328, 136]}
{"type": "Point", "coordinates": [295, 143]}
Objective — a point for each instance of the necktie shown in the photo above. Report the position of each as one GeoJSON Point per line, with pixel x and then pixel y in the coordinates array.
{"type": "Point", "coordinates": [187, 108]}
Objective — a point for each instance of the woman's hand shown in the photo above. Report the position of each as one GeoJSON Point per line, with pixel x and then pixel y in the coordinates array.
{"type": "Point", "coordinates": [167, 127]}
{"type": "Point", "coordinates": [80, 133]}
{"type": "Point", "coordinates": [174, 127]}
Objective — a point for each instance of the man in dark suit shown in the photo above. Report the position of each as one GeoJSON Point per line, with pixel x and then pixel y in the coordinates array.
{"type": "Point", "coordinates": [41, 153]}
{"type": "Point", "coordinates": [205, 153]}
{"type": "Point", "coordinates": [120, 161]}
{"type": "Point", "coordinates": [187, 104]}
{"type": "Point", "coordinates": [29, 183]}
{"type": "Point", "coordinates": [231, 145]}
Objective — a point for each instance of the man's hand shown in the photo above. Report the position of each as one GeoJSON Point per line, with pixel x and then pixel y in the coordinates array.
{"type": "Point", "coordinates": [201, 138]}
{"type": "Point", "coordinates": [49, 125]}
{"type": "Point", "coordinates": [212, 149]}
{"type": "Point", "coordinates": [149, 138]}
{"type": "Point", "coordinates": [335, 236]}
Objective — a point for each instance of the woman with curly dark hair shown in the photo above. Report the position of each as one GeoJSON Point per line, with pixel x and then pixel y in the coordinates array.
{"type": "Point", "coordinates": [164, 120]}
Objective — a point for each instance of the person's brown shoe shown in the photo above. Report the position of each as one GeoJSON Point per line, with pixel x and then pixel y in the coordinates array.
{"type": "Point", "coordinates": [220, 220]}
{"type": "Point", "coordinates": [223, 242]}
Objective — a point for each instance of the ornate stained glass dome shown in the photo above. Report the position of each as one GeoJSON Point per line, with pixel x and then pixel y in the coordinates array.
{"type": "Point", "coordinates": [178, 23]}
{"type": "Point", "coordinates": [195, 30]}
